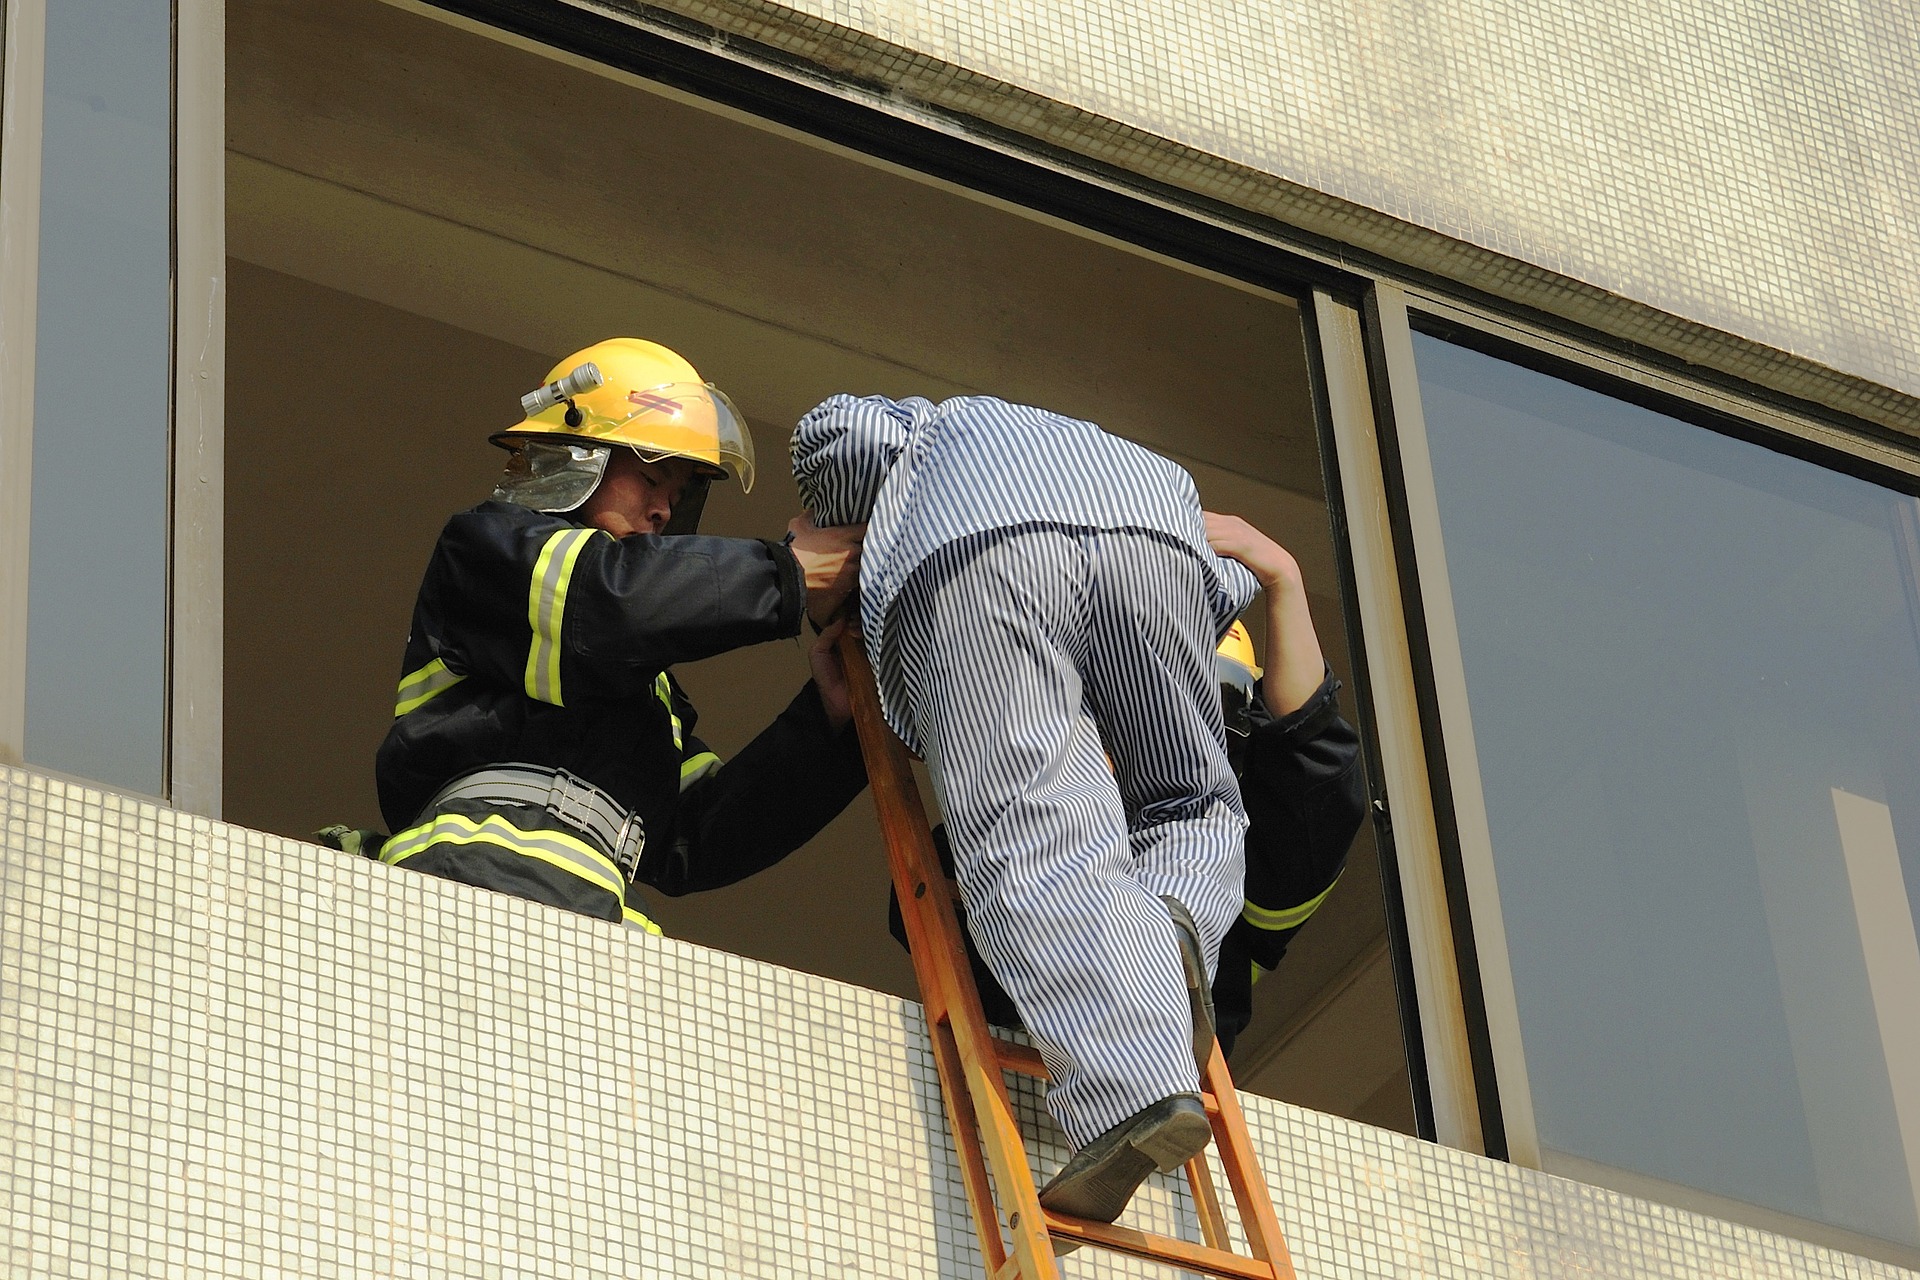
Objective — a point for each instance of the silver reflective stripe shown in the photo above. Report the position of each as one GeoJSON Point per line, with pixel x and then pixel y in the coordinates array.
{"type": "Point", "coordinates": [695, 767]}
{"type": "Point", "coordinates": [1290, 918]}
{"type": "Point", "coordinates": [663, 690]}
{"type": "Point", "coordinates": [552, 847]}
{"type": "Point", "coordinates": [420, 687]}
{"type": "Point", "coordinates": [547, 608]}
{"type": "Point", "coordinates": [573, 800]}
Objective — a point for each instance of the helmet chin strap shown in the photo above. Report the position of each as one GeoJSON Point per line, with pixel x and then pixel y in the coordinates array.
{"type": "Point", "coordinates": [686, 512]}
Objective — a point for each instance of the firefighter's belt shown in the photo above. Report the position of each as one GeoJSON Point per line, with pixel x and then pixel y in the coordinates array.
{"type": "Point", "coordinates": [573, 800]}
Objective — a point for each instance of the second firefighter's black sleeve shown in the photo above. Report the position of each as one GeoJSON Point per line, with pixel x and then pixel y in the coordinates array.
{"type": "Point", "coordinates": [741, 817]}
{"type": "Point", "coordinates": [1305, 796]}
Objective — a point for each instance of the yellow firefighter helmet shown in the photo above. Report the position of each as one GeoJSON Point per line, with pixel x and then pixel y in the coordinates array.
{"type": "Point", "coordinates": [628, 391]}
{"type": "Point", "coordinates": [1239, 673]}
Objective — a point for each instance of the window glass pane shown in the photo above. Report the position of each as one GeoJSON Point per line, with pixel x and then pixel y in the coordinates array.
{"type": "Point", "coordinates": [97, 582]}
{"type": "Point", "coordinates": [1695, 686]}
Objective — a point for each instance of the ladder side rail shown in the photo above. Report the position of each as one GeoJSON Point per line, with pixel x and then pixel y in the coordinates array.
{"type": "Point", "coordinates": [1257, 1218]}
{"type": "Point", "coordinates": [953, 1004]}
{"type": "Point", "coordinates": [958, 1101]}
{"type": "Point", "coordinates": [1206, 1204]}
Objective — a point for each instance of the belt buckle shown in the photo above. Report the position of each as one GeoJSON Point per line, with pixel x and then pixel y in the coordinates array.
{"type": "Point", "coordinates": [570, 799]}
{"type": "Point", "coordinates": [629, 844]}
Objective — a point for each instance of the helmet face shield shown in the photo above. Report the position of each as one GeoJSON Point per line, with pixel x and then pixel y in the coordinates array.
{"type": "Point", "coordinates": [551, 476]}
{"type": "Point", "coordinates": [1237, 682]}
{"type": "Point", "coordinates": [692, 420]}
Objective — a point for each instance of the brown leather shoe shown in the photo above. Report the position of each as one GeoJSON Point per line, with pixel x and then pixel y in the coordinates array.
{"type": "Point", "coordinates": [1103, 1175]}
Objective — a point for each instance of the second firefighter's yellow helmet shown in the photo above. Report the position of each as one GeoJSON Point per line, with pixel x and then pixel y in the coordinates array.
{"type": "Point", "coordinates": [628, 391]}
{"type": "Point", "coordinates": [1238, 670]}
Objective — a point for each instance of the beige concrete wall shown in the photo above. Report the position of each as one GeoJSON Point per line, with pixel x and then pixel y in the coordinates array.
{"type": "Point", "coordinates": [1724, 183]}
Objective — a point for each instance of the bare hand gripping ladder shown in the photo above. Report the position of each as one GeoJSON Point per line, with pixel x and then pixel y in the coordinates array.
{"type": "Point", "coordinates": [972, 1063]}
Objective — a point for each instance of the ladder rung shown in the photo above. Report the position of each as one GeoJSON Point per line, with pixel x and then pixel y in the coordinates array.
{"type": "Point", "coordinates": [1019, 1057]}
{"type": "Point", "coordinates": [1158, 1248]}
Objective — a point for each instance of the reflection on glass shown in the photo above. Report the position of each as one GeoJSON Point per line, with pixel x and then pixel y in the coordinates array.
{"type": "Point", "coordinates": [97, 578]}
{"type": "Point", "coordinates": [1694, 672]}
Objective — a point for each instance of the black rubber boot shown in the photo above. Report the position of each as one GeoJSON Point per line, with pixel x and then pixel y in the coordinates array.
{"type": "Point", "coordinates": [1103, 1175]}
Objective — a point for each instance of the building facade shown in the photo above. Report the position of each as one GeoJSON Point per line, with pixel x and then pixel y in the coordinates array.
{"type": "Point", "coordinates": [1571, 350]}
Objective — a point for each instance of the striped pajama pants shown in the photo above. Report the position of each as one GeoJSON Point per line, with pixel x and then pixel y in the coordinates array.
{"type": "Point", "coordinates": [1024, 659]}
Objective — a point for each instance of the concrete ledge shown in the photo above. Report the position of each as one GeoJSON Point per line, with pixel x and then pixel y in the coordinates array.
{"type": "Point", "coordinates": [229, 1054]}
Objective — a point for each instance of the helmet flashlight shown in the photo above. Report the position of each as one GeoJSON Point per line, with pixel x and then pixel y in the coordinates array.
{"type": "Point", "coordinates": [584, 378]}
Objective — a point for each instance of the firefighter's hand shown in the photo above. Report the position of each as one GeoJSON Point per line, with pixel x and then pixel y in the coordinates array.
{"type": "Point", "coordinates": [830, 559]}
{"type": "Point", "coordinates": [1269, 562]}
{"type": "Point", "coordinates": [829, 677]}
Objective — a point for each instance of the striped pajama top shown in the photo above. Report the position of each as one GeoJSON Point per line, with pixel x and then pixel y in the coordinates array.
{"type": "Point", "coordinates": [923, 475]}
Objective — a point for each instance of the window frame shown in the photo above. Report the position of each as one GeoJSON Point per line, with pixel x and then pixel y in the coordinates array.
{"type": "Point", "coordinates": [1749, 415]}
{"type": "Point", "coordinates": [191, 679]}
{"type": "Point", "coordinates": [22, 94]}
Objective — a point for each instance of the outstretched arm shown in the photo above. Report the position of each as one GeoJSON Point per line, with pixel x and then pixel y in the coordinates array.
{"type": "Point", "coordinates": [1294, 663]}
{"type": "Point", "coordinates": [739, 818]}
{"type": "Point", "coordinates": [1302, 783]}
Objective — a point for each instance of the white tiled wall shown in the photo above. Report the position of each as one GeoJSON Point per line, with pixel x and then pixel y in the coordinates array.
{"type": "Point", "coordinates": [1751, 167]}
{"type": "Point", "coordinates": [227, 1054]}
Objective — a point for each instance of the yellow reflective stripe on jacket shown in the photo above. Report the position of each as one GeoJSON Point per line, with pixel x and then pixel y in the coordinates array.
{"type": "Point", "coordinates": [555, 848]}
{"type": "Point", "coordinates": [547, 610]}
{"type": "Point", "coordinates": [422, 686]}
{"type": "Point", "coordinates": [663, 690]}
{"type": "Point", "coordinates": [635, 920]}
{"type": "Point", "coordinates": [698, 766]}
{"type": "Point", "coordinates": [1290, 918]}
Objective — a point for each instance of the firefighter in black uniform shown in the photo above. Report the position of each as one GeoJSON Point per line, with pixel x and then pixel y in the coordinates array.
{"type": "Point", "coordinates": [540, 744]}
{"type": "Point", "coordinates": [1298, 762]}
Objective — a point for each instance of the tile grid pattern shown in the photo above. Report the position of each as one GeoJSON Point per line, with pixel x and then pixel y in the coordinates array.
{"type": "Point", "coordinates": [1722, 183]}
{"type": "Point", "coordinates": [229, 1054]}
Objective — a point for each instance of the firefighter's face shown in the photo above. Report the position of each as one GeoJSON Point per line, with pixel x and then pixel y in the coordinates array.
{"type": "Point", "coordinates": [636, 496]}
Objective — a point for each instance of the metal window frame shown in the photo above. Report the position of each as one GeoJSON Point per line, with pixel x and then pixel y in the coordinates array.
{"type": "Point", "coordinates": [1759, 418]}
{"type": "Point", "coordinates": [1453, 1101]}
{"type": "Point", "coordinates": [197, 499]}
{"type": "Point", "coordinates": [22, 95]}
{"type": "Point", "coordinates": [191, 768]}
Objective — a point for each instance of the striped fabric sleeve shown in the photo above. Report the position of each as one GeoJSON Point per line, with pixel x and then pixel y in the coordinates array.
{"type": "Point", "coordinates": [843, 449]}
{"type": "Point", "coordinates": [1237, 587]}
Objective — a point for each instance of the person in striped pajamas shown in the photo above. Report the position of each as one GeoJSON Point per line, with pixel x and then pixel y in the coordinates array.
{"type": "Point", "coordinates": [1041, 606]}
{"type": "Point", "coordinates": [1301, 779]}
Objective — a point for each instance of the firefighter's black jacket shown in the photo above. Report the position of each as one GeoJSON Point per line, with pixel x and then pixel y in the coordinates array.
{"type": "Point", "coordinates": [552, 644]}
{"type": "Point", "coordinates": [1305, 797]}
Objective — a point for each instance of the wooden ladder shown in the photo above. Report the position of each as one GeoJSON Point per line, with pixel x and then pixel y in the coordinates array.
{"type": "Point", "coordinates": [972, 1064]}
